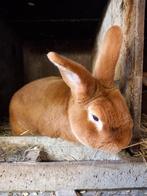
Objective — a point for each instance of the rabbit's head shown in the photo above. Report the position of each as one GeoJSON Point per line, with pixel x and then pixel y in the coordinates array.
{"type": "Point", "coordinates": [97, 112]}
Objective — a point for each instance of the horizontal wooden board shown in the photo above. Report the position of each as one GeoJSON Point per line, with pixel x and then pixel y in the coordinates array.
{"type": "Point", "coordinates": [72, 175]}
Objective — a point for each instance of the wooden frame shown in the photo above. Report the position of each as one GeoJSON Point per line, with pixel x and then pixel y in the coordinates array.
{"type": "Point", "coordinates": [94, 174]}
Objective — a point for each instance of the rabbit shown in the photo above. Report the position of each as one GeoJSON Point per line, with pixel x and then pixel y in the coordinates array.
{"type": "Point", "coordinates": [79, 107]}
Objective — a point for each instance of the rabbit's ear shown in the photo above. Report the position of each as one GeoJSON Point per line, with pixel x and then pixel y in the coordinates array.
{"type": "Point", "coordinates": [80, 81]}
{"type": "Point", "coordinates": [104, 68]}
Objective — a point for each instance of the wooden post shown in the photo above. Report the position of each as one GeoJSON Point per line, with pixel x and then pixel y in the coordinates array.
{"type": "Point", "coordinates": [129, 14]}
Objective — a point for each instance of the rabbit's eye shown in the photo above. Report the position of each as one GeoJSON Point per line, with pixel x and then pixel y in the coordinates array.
{"type": "Point", "coordinates": [95, 117]}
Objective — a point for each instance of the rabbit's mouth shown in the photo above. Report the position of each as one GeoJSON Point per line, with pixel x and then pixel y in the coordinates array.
{"type": "Point", "coordinates": [116, 142]}
{"type": "Point", "coordinates": [111, 148]}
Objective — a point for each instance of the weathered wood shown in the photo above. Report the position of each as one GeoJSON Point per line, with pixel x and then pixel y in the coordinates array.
{"type": "Point", "coordinates": [129, 14]}
{"type": "Point", "coordinates": [72, 175]}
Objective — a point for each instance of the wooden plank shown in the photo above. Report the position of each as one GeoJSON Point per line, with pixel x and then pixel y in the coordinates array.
{"type": "Point", "coordinates": [129, 14]}
{"type": "Point", "coordinates": [72, 175]}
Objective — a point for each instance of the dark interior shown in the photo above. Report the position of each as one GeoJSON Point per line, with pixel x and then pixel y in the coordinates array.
{"type": "Point", "coordinates": [36, 19]}
{"type": "Point", "coordinates": [31, 28]}
{"type": "Point", "coordinates": [144, 93]}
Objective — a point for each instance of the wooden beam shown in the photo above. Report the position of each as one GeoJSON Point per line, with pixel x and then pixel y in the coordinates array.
{"type": "Point", "coordinates": [72, 175]}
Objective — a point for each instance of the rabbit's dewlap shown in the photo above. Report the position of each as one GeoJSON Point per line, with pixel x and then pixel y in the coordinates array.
{"type": "Point", "coordinates": [82, 107]}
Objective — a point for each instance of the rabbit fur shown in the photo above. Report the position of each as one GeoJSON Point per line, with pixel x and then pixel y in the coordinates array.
{"type": "Point", "coordinates": [80, 106]}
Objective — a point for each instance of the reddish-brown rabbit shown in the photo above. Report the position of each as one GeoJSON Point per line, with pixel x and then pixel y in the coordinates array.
{"type": "Point", "coordinates": [79, 107]}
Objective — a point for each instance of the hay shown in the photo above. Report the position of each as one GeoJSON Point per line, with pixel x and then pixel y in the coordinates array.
{"type": "Point", "coordinates": [5, 129]}
{"type": "Point", "coordinates": [139, 149]}
{"type": "Point", "coordinates": [10, 152]}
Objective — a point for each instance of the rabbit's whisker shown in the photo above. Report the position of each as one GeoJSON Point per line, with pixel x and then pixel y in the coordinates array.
{"type": "Point", "coordinates": [135, 144]}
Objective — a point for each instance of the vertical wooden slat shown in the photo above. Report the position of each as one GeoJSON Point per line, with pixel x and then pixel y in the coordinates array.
{"type": "Point", "coordinates": [138, 71]}
{"type": "Point", "coordinates": [129, 14]}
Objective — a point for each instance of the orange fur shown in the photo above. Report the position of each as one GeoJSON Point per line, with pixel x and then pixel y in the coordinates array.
{"type": "Point", "coordinates": [64, 108]}
{"type": "Point", "coordinates": [104, 68]}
